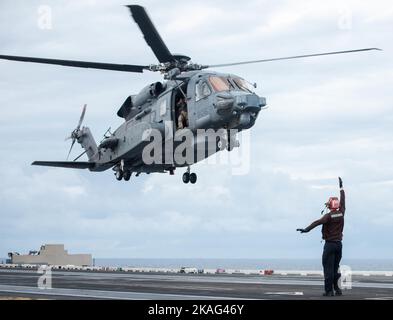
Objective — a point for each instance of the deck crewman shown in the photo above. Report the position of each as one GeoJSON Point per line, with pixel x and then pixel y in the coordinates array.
{"type": "Point", "coordinates": [332, 232]}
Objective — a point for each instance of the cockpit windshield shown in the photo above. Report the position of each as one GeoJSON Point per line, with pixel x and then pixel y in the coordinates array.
{"type": "Point", "coordinates": [219, 83]}
{"type": "Point", "coordinates": [228, 83]}
{"type": "Point", "coordinates": [243, 85]}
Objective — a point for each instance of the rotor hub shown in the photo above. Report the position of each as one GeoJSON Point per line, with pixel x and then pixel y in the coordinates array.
{"type": "Point", "coordinates": [181, 58]}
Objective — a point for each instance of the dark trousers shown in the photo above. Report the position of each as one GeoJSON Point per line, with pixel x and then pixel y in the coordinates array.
{"type": "Point", "coordinates": [331, 258]}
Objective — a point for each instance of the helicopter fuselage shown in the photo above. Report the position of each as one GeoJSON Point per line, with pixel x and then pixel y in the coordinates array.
{"type": "Point", "coordinates": [214, 101]}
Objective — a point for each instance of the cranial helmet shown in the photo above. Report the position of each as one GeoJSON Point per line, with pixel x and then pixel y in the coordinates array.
{"type": "Point", "coordinates": [333, 203]}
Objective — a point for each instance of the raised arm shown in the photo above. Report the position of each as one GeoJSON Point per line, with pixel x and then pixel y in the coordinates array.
{"type": "Point", "coordinates": [342, 195]}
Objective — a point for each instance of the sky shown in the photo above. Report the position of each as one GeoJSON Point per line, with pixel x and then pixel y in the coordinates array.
{"type": "Point", "coordinates": [326, 117]}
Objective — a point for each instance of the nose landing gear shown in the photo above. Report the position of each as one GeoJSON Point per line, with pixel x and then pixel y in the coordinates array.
{"type": "Point", "coordinates": [189, 177]}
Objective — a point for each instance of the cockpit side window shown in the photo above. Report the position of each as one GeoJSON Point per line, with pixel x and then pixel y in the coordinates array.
{"type": "Point", "coordinates": [202, 90]}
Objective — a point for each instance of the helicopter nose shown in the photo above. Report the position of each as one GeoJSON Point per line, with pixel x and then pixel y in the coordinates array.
{"type": "Point", "coordinates": [224, 102]}
{"type": "Point", "coordinates": [250, 102]}
{"type": "Point", "coordinates": [247, 106]}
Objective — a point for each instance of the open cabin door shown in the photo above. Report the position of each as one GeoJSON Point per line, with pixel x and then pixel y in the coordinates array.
{"type": "Point", "coordinates": [201, 104]}
{"type": "Point", "coordinates": [181, 97]}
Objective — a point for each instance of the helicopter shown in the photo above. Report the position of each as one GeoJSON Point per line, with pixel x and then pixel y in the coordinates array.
{"type": "Point", "coordinates": [201, 98]}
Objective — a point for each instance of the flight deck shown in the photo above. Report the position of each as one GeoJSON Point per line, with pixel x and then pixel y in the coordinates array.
{"type": "Point", "coordinates": [22, 284]}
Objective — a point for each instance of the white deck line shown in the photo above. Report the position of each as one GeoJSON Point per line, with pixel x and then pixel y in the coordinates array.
{"type": "Point", "coordinates": [100, 294]}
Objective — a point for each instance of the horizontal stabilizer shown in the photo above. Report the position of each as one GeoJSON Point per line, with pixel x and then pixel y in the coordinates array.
{"type": "Point", "coordinates": [65, 164]}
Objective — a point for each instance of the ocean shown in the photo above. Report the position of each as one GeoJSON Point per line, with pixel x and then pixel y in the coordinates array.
{"type": "Point", "coordinates": [244, 264]}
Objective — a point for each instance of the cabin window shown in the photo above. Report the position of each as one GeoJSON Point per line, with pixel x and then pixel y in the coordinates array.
{"type": "Point", "coordinates": [202, 90]}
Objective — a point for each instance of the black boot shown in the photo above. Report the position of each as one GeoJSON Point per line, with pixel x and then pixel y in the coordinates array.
{"type": "Point", "coordinates": [328, 294]}
{"type": "Point", "coordinates": [336, 287]}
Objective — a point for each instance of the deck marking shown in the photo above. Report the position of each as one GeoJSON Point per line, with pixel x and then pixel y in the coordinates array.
{"type": "Point", "coordinates": [100, 294]}
{"type": "Point", "coordinates": [286, 293]}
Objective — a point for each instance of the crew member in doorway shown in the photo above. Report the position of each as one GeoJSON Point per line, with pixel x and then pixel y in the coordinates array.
{"type": "Point", "coordinates": [332, 232]}
{"type": "Point", "coordinates": [182, 121]}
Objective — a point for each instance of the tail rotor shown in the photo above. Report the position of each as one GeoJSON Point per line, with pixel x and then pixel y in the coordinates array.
{"type": "Point", "coordinates": [77, 132]}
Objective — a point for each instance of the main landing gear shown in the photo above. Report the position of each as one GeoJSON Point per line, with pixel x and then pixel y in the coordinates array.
{"type": "Point", "coordinates": [119, 175]}
{"type": "Point", "coordinates": [122, 173]}
{"type": "Point", "coordinates": [189, 177]}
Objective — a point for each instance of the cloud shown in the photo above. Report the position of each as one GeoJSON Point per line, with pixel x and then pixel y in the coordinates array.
{"type": "Point", "coordinates": [327, 117]}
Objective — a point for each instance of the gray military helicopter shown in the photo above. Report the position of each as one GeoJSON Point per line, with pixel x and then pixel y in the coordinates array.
{"type": "Point", "coordinates": [211, 100]}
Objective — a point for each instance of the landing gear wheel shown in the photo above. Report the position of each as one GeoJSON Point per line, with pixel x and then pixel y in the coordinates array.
{"type": "Point", "coordinates": [119, 175]}
{"type": "Point", "coordinates": [193, 178]}
{"type": "Point", "coordinates": [127, 175]}
{"type": "Point", "coordinates": [186, 177]}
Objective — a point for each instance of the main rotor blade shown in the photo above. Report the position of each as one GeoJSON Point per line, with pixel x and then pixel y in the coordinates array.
{"type": "Point", "coordinates": [82, 117]}
{"type": "Point", "coordinates": [152, 37]}
{"type": "Point", "coordinates": [289, 58]}
{"type": "Point", "coordinates": [80, 64]}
